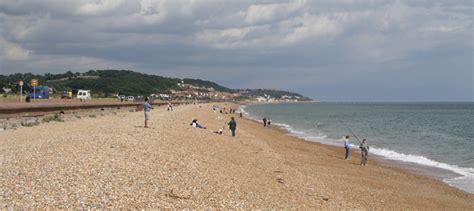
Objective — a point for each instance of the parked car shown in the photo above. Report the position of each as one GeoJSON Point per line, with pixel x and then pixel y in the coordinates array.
{"type": "Point", "coordinates": [84, 94]}
{"type": "Point", "coordinates": [130, 98]}
{"type": "Point", "coordinates": [139, 99]}
{"type": "Point", "coordinates": [39, 92]}
{"type": "Point", "coordinates": [66, 95]}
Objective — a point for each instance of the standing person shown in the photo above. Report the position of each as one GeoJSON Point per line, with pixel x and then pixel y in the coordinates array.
{"type": "Point", "coordinates": [232, 125]}
{"type": "Point", "coordinates": [364, 151]}
{"type": "Point", "coordinates": [264, 121]}
{"type": "Point", "coordinates": [346, 146]}
{"type": "Point", "coordinates": [146, 108]}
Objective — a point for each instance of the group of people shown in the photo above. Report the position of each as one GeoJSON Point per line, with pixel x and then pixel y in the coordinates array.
{"type": "Point", "coordinates": [232, 126]}
{"type": "Point", "coordinates": [364, 147]}
{"type": "Point", "coordinates": [232, 123]}
{"type": "Point", "coordinates": [364, 150]}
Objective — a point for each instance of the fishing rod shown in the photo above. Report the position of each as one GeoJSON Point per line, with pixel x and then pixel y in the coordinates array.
{"type": "Point", "coordinates": [225, 122]}
{"type": "Point", "coordinates": [348, 128]}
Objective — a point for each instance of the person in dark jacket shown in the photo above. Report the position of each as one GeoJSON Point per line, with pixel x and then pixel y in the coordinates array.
{"type": "Point", "coordinates": [232, 125]}
{"type": "Point", "coordinates": [364, 150]}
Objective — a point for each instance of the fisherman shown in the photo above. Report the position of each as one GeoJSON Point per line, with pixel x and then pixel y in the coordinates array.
{"type": "Point", "coordinates": [146, 108]}
{"type": "Point", "coordinates": [346, 146]}
{"type": "Point", "coordinates": [264, 121]}
{"type": "Point", "coordinates": [364, 151]}
{"type": "Point", "coordinates": [232, 125]}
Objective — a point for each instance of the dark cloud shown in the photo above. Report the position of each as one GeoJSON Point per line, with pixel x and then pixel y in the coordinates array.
{"type": "Point", "coordinates": [329, 50]}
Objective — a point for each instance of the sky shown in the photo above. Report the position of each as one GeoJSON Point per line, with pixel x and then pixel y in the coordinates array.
{"type": "Point", "coordinates": [345, 50]}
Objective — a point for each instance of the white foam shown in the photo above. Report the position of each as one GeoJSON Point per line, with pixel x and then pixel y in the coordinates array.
{"type": "Point", "coordinates": [316, 138]}
{"type": "Point", "coordinates": [247, 115]}
{"type": "Point", "coordinates": [392, 155]}
{"type": "Point", "coordinates": [465, 183]}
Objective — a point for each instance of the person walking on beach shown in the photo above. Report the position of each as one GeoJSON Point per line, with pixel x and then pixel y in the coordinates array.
{"type": "Point", "coordinates": [146, 108]}
{"type": "Point", "coordinates": [346, 146]}
{"type": "Point", "coordinates": [264, 121]}
{"type": "Point", "coordinates": [232, 126]}
{"type": "Point", "coordinates": [364, 151]}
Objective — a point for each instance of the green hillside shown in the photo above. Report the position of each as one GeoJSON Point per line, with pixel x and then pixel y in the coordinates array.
{"type": "Point", "coordinates": [107, 82]}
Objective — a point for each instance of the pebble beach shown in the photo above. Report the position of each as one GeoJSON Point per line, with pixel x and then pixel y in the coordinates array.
{"type": "Point", "coordinates": [111, 161]}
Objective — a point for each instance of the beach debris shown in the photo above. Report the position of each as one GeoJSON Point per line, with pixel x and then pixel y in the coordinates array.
{"type": "Point", "coordinates": [280, 180]}
{"type": "Point", "coordinates": [29, 122]}
{"type": "Point", "coordinates": [55, 117]}
{"type": "Point", "coordinates": [277, 171]}
{"type": "Point", "coordinates": [326, 198]}
{"type": "Point", "coordinates": [184, 195]}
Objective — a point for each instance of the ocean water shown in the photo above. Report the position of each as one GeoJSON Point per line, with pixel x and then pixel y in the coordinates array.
{"type": "Point", "coordinates": [438, 135]}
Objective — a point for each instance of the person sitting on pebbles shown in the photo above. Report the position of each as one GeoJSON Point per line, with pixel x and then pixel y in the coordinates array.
{"type": "Point", "coordinates": [195, 124]}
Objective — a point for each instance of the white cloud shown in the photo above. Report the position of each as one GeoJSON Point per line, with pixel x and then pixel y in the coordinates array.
{"type": "Point", "coordinates": [98, 7]}
{"type": "Point", "coordinates": [158, 11]}
{"type": "Point", "coordinates": [312, 27]}
{"type": "Point", "coordinates": [264, 13]}
{"type": "Point", "coordinates": [13, 52]}
{"type": "Point", "coordinates": [279, 34]}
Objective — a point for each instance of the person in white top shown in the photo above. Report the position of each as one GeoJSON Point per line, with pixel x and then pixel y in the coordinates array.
{"type": "Point", "coordinates": [346, 146]}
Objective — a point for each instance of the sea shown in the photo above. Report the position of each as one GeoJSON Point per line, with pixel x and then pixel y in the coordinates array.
{"type": "Point", "coordinates": [437, 136]}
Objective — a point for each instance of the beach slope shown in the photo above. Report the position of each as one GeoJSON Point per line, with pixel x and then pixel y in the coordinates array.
{"type": "Point", "coordinates": [113, 162]}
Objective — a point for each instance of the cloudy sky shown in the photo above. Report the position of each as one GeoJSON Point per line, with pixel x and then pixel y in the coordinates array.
{"type": "Point", "coordinates": [345, 50]}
